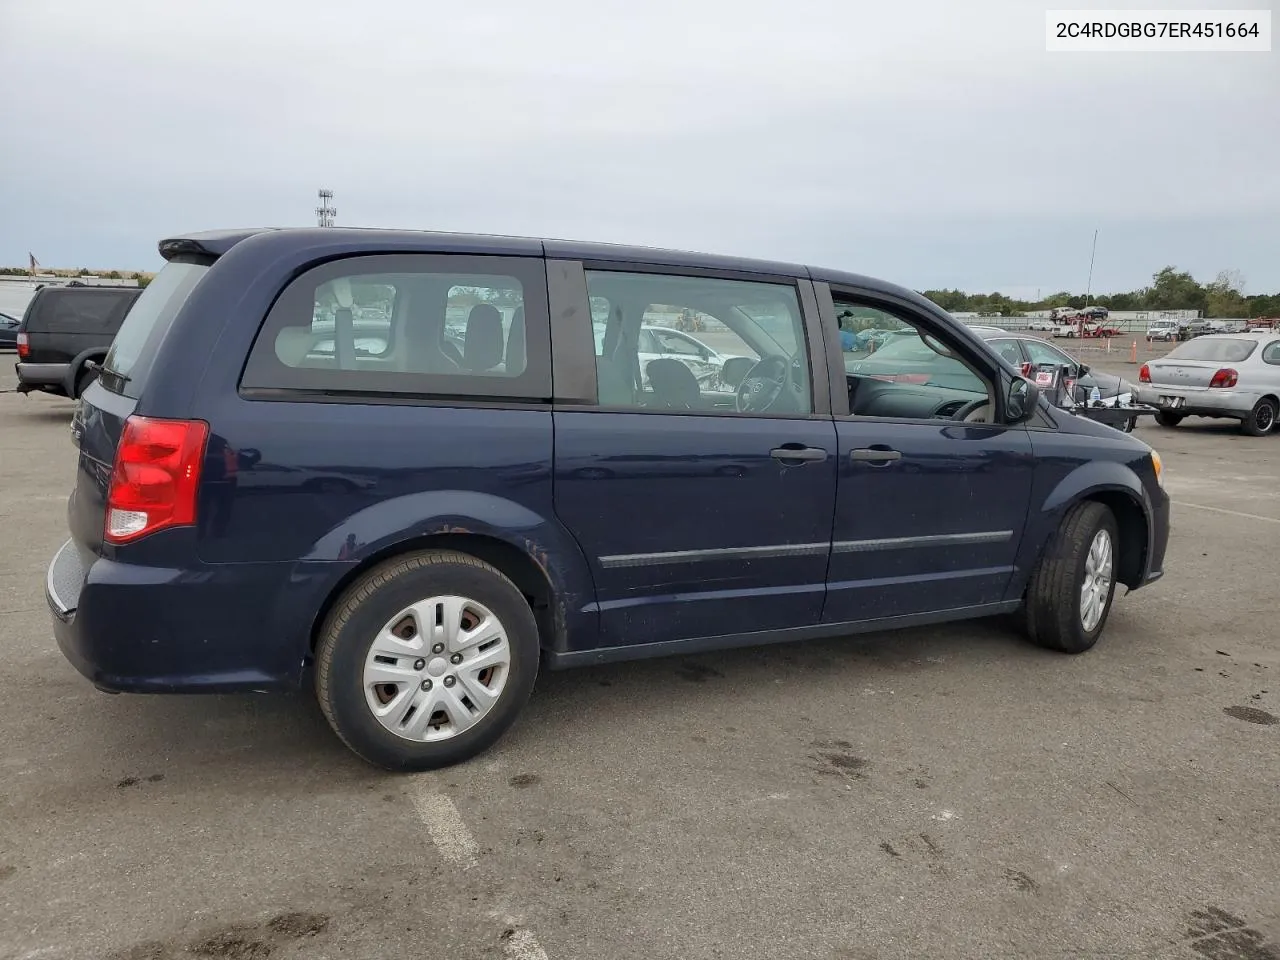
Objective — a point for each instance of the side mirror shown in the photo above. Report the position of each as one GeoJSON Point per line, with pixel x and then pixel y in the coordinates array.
{"type": "Point", "coordinates": [1083, 368]}
{"type": "Point", "coordinates": [1021, 401]}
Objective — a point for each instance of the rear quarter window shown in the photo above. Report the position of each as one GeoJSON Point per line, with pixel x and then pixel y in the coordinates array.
{"type": "Point", "coordinates": [424, 325]}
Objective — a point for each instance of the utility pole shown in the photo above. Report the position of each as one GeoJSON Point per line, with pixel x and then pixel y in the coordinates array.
{"type": "Point", "coordinates": [325, 213]}
{"type": "Point", "coordinates": [1088, 289]}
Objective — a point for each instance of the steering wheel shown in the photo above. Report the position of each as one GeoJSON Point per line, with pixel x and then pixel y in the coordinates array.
{"type": "Point", "coordinates": [763, 384]}
{"type": "Point", "coordinates": [975, 411]}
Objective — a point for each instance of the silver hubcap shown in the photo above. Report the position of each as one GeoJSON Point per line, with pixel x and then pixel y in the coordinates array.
{"type": "Point", "coordinates": [436, 668]}
{"type": "Point", "coordinates": [1097, 581]}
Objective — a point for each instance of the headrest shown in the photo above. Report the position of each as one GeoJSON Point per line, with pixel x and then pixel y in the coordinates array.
{"type": "Point", "coordinates": [482, 346]}
{"type": "Point", "coordinates": [673, 383]}
{"type": "Point", "coordinates": [293, 344]}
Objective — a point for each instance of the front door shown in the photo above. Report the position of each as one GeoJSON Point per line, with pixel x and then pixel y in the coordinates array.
{"type": "Point", "coordinates": [932, 493]}
{"type": "Point", "coordinates": [704, 508]}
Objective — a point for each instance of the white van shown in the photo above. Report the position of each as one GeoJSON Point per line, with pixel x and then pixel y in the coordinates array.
{"type": "Point", "coordinates": [1162, 330]}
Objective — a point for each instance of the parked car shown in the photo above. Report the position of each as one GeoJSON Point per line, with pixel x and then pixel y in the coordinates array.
{"type": "Point", "coordinates": [1217, 375]}
{"type": "Point", "coordinates": [1228, 326]}
{"type": "Point", "coordinates": [1042, 325]}
{"type": "Point", "coordinates": [9, 332]}
{"type": "Point", "coordinates": [65, 333]}
{"type": "Point", "coordinates": [1163, 330]}
{"type": "Point", "coordinates": [1029, 352]}
{"type": "Point", "coordinates": [1193, 329]}
{"type": "Point", "coordinates": [911, 360]}
{"type": "Point", "coordinates": [560, 510]}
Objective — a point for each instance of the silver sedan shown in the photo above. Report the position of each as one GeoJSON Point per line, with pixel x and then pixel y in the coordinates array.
{"type": "Point", "coordinates": [1220, 375]}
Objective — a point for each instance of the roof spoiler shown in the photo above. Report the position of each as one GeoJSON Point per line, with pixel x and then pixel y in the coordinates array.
{"type": "Point", "coordinates": [208, 245]}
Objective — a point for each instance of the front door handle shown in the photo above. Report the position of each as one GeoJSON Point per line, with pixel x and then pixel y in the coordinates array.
{"type": "Point", "coordinates": [879, 455]}
{"type": "Point", "coordinates": [797, 452]}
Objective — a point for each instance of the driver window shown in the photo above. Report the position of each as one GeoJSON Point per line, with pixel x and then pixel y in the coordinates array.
{"type": "Point", "coordinates": [897, 370]}
{"type": "Point", "coordinates": [696, 344]}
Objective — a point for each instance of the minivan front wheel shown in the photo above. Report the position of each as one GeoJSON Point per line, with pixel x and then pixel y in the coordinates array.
{"type": "Point", "coordinates": [1070, 593]}
{"type": "Point", "coordinates": [426, 660]}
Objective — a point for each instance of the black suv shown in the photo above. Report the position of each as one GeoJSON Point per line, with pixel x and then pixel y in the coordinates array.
{"type": "Point", "coordinates": [65, 332]}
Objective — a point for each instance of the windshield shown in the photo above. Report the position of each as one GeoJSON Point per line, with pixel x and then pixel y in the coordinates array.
{"type": "Point", "coordinates": [146, 324]}
{"type": "Point", "coordinates": [1215, 349]}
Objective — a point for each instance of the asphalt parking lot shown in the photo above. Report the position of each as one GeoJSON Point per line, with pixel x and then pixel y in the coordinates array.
{"type": "Point", "coordinates": [938, 793]}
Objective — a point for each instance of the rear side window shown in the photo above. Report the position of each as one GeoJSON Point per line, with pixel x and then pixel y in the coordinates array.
{"type": "Point", "coordinates": [423, 325]}
{"type": "Point", "coordinates": [145, 325]}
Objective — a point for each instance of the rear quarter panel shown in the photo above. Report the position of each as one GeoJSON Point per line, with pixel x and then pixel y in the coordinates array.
{"type": "Point", "coordinates": [321, 488]}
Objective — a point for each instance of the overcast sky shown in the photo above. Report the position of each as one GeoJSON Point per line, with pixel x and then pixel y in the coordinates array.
{"type": "Point", "coordinates": [931, 143]}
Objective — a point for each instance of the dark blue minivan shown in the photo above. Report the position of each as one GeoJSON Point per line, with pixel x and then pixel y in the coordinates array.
{"type": "Point", "coordinates": [415, 467]}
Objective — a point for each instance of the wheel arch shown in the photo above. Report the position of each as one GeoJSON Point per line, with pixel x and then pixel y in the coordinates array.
{"type": "Point", "coordinates": [76, 367]}
{"type": "Point", "coordinates": [1117, 487]}
{"type": "Point", "coordinates": [1132, 527]}
{"type": "Point", "coordinates": [530, 577]}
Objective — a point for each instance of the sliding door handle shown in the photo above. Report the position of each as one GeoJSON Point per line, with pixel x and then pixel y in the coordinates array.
{"type": "Point", "coordinates": [880, 455]}
{"type": "Point", "coordinates": [798, 453]}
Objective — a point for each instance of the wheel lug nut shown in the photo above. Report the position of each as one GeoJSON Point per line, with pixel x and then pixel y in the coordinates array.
{"type": "Point", "coordinates": [419, 664]}
{"type": "Point", "coordinates": [456, 658]}
{"type": "Point", "coordinates": [426, 684]}
{"type": "Point", "coordinates": [449, 681]}
{"type": "Point", "coordinates": [437, 648]}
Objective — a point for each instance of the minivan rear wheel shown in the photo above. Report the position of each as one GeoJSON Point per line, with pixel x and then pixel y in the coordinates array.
{"type": "Point", "coordinates": [426, 660]}
{"type": "Point", "coordinates": [1069, 596]}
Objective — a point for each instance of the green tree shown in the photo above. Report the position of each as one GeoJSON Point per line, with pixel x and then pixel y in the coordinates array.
{"type": "Point", "coordinates": [1174, 290]}
{"type": "Point", "coordinates": [1224, 297]}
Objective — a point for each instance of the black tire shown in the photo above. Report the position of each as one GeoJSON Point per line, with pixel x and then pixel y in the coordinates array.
{"type": "Point", "coordinates": [86, 377]}
{"type": "Point", "coordinates": [1053, 617]}
{"type": "Point", "coordinates": [1167, 419]}
{"type": "Point", "coordinates": [1129, 425]}
{"type": "Point", "coordinates": [361, 612]}
{"type": "Point", "coordinates": [1261, 419]}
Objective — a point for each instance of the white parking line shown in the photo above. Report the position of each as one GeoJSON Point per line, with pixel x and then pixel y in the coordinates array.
{"type": "Point", "coordinates": [1230, 513]}
{"type": "Point", "coordinates": [522, 945]}
{"type": "Point", "coordinates": [448, 832]}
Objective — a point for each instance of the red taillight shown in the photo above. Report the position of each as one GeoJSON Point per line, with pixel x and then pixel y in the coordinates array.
{"type": "Point", "coordinates": [1226, 377]}
{"type": "Point", "coordinates": [1144, 375]}
{"type": "Point", "coordinates": [156, 475]}
{"type": "Point", "coordinates": [24, 345]}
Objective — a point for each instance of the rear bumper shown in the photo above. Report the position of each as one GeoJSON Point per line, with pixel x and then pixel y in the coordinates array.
{"type": "Point", "coordinates": [220, 628]}
{"type": "Point", "coordinates": [1201, 403]}
{"type": "Point", "coordinates": [41, 376]}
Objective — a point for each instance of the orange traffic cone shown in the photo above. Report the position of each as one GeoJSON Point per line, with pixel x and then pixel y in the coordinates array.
{"type": "Point", "coordinates": [1133, 352]}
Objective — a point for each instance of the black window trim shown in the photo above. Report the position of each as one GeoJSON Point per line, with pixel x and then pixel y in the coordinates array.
{"type": "Point", "coordinates": [573, 337]}
{"type": "Point", "coordinates": [983, 362]}
{"type": "Point", "coordinates": [532, 389]}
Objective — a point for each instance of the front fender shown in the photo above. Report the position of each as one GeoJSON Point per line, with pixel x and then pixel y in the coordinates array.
{"type": "Point", "coordinates": [1057, 488]}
